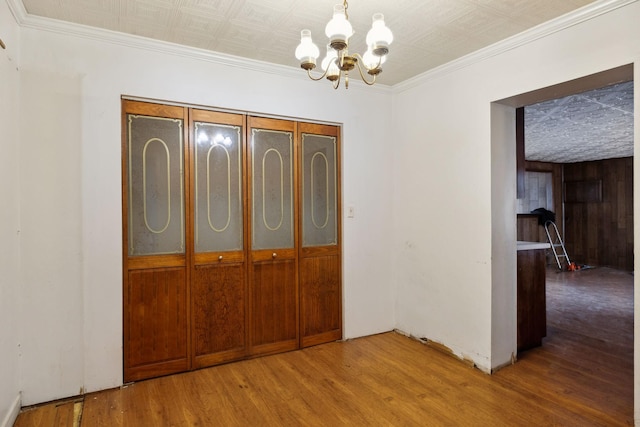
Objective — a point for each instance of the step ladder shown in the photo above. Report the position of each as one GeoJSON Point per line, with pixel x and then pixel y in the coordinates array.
{"type": "Point", "coordinates": [556, 242]}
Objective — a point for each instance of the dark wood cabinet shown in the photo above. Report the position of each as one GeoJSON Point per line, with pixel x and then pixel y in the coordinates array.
{"type": "Point", "coordinates": [528, 228]}
{"type": "Point", "coordinates": [531, 297]}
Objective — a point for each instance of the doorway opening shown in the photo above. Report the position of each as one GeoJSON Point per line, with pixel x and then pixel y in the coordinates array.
{"type": "Point", "coordinates": [583, 143]}
{"type": "Point", "coordinates": [504, 209]}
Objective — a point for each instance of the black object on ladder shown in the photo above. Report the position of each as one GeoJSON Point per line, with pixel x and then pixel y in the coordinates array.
{"type": "Point", "coordinates": [556, 242]}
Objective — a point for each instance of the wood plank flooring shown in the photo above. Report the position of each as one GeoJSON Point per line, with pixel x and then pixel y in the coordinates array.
{"type": "Point", "coordinates": [581, 376]}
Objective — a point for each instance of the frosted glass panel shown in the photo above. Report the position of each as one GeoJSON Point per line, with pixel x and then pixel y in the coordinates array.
{"type": "Point", "coordinates": [156, 197]}
{"type": "Point", "coordinates": [272, 198]}
{"type": "Point", "coordinates": [319, 196]}
{"type": "Point", "coordinates": [218, 198]}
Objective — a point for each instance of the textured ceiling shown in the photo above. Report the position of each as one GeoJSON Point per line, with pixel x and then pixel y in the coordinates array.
{"type": "Point", "coordinates": [427, 33]}
{"type": "Point", "coordinates": [592, 125]}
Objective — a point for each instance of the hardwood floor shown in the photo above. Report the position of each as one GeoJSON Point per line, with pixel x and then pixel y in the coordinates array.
{"type": "Point", "coordinates": [581, 376]}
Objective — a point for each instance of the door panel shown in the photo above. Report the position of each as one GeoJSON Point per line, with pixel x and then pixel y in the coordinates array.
{"type": "Point", "coordinates": [273, 272]}
{"type": "Point", "coordinates": [272, 195]}
{"type": "Point", "coordinates": [155, 323]}
{"type": "Point", "coordinates": [219, 313]}
{"type": "Point", "coordinates": [320, 299]}
{"type": "Point", "coordinates": [156, 185]}
{"type": "Point", "coordinates": [319, 190]}
{"type": "Point", "coordinates": [218, 183]}
{"type": "Point", "coordinates": [273, 296]}
{"type": "Point", "coordinates": [155, 291]}
{"type": "Point", "coordinates": [219, 301]}
{"type": "Point", "coordinates": [320, 274]}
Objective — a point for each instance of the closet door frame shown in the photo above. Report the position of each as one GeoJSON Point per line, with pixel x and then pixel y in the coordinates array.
{"type": "Point", "coordinates": [272, 263]}
{"type": "Point", "coordinates": [304, 282]}
{"type": "Point", "coordinates": [320, 301]}
{"type": "Point", "coordinates": [149, 272]}
{"type": "Point", "coordinates": [221, 264]}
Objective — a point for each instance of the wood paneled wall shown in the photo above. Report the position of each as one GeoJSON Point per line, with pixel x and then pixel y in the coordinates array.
{"type": "Point", "coordinates": [599, 230]}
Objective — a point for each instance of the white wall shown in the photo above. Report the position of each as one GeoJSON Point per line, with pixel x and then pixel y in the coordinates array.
{"type": "Point", "coordinates": [454, 219]}
{"type": "Point", "coordinates": [9, 219]}
{"type": "Point", "coordinates": [504, 317]}
{"type": "Point", "coordinates": [442, 202]}
{"type": "Point", "coordinates": [72, 126]}
{"type": "Point", "coordinates": [51, 221]}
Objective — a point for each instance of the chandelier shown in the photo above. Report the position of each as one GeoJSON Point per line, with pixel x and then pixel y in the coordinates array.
{"type": "Point", "coordinates": [338, 61]}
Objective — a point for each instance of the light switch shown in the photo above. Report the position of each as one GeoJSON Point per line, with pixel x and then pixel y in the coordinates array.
{"type": "Point", "coordinates": [350, 212]}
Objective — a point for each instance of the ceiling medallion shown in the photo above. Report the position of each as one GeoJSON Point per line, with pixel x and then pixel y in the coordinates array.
{"type": "Point", "coordinates": [338, 60]}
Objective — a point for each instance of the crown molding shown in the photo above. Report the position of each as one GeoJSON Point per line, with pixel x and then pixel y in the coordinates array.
{"type": "Point", "coordinates": [25, 20]}
{"type": "Point", "coordinates": [545, 29]}
{"type": "Point", "coordinates": [17, 10]}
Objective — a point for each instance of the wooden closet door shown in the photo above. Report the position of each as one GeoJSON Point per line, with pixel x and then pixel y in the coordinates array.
{"type": "Point", "coordinates": [273, 286]}
{"type": "Point", "coordinates": [155, 291]}
{"type": "Point", "coordinates": [320, 249]}
{"type": "Point", "coordinates": [218, 285]}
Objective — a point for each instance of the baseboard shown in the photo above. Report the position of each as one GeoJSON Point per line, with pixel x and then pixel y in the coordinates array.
{"type": "Point", "coordinates": [14, 410]}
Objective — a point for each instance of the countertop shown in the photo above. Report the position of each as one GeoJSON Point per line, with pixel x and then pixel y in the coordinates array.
{"type": "Point", "coordinates": [525, 246]}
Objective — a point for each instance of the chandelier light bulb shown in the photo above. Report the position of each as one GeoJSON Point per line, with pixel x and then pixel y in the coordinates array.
{"type": "Point", "coordinates": [338, 29]}
{"type": "Point", "coordinates": [371, 60]}
{"type": "Point", "coordinates": [379, 36]}
{"type": "Point", "coordinates": [330, 64]}
{"type": "Point", "coordinates": [307, 52]}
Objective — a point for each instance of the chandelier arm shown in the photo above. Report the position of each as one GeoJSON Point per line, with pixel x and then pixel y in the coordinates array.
{"type": "Point", "coordinates": [364, 79]}
{"type": "Point", "coordinates": [318, 78]}
{"type": "Point", "coordinates": [336, 83]}
{"type": "Point", "coordinates": [378, 64]}
{"type": "Point", "coordinates": [361, 60]}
